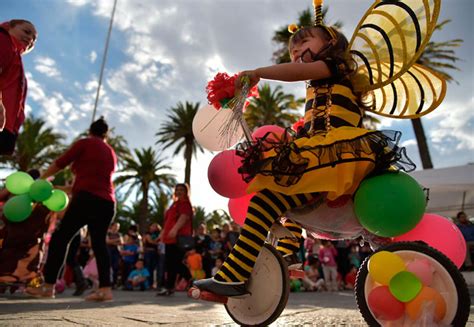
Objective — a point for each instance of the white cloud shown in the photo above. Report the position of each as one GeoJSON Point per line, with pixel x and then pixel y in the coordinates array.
{"type": "Point", "coordinates": [407, 143]}
{"type": "Point", "coordinates": [93, 56]}
{"type": "Point", "coordinates": [47, 66]}
{"type": "Point", "coordinates": [452, 126]}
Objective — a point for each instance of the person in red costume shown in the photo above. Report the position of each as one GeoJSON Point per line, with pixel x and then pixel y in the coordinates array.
{"type": "Point", "coordinates": [17, 37]}
{"type": "Point", "coordinates": [92, 162]}
{"type": "Point", "coordinates": [178, 222]}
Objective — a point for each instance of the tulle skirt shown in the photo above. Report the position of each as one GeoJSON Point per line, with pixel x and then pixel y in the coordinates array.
{"type": "Point", "coordinates": [334, 162]}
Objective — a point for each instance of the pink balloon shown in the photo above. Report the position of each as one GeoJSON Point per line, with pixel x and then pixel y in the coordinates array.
{"type": "Point", "coordinates": [440, 233]}
{"type": "Point", "coordinates": [238, 208]}
{"type": "Point", "coordinates": [263, 130]}
{"type": "Point", "coordinates": [422, 269]}
{"type": "Point", "coordinates": [224, 177]}
{"type": "Point", "coordinates": [384, 305]}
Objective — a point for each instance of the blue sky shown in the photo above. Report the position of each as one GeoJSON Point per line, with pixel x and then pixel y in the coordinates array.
{"type": "Point", "coordinates": [163, 52]}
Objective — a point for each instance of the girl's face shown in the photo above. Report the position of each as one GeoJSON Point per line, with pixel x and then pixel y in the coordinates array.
{"type": "Point", "coordinates": [25, 33]}
{"type": "Point", "coordinates": [300, 51]}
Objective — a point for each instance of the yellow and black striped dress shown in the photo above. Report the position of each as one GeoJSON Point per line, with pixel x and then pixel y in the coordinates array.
{"type": "Point", "coordinates": [333, 160]}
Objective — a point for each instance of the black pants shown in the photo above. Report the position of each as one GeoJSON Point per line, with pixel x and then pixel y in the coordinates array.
{"type": "Point", "coordinates": [7, 142]}
{"type": "Point", "coordinates": [97, 214]}
{"type": "Point", "coordinates": [174, 265]}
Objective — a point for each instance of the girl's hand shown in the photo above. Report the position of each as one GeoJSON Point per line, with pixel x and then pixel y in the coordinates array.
{"type": "Point", "coordinates": [251, 75]}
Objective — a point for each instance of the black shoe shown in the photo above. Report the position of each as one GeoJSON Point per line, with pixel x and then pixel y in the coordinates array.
{"type": "Point", "coordinates": [165, 292]}
{"type": "Point", "coordinates": [293, 261]}
{"type": "Point", "coordinates": [80, 289]}
{"type": "Point", "coordinates": [221, 288]}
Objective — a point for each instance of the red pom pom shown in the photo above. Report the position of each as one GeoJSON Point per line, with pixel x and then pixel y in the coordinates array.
{"type": "Point", "coordinates": [222, 89]}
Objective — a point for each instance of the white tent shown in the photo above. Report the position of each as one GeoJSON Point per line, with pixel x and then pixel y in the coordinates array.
{"type": "Point", "coordinates": [450, 189]}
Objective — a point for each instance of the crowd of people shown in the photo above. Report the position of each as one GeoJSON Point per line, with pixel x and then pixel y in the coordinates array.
{"type": "Point", "coordinates": [138, 262]}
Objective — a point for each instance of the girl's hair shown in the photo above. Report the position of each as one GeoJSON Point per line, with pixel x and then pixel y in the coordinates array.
{"type": "Point", "coordinates": [15, 22]}
{"type": "Point", "coordinates": [99, 127]}
{"type": "Point", "coordinates": [337, 52]}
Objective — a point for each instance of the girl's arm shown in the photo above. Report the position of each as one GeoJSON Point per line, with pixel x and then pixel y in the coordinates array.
{"type": "Point", "coordinates": [288, 72]}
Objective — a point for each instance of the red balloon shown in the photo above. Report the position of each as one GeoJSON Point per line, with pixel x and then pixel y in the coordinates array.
{"type": "Point", "coordinates": [276, 132]}
{"type": "Point", "coordinates": [238, 208]}
{"type": "Point", "coordinates": [440, 233]}
{"type": "Point", "coordinates": [384, 305]}
{"type": "Point", "coordinates": [224, 177]}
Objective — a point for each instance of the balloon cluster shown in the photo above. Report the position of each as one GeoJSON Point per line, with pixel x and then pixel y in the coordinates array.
{"type": "Point", "coordinates": [402, 287]}
{"type": "Point", "coordinates": [208, 130]}
{"type": "Point", "coordinates": [389, 205]}
{"type": "Point", "coordinates": [27, 191]}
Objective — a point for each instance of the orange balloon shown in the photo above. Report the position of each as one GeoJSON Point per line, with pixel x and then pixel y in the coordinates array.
{"type": "Point", "coordinates": [427, 294]}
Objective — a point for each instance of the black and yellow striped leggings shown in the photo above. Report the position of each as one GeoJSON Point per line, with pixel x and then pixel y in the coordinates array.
{"type": "Point", "coordinates": [264, 208]}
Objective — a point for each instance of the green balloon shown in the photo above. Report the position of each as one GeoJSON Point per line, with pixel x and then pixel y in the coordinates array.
{"type": "Point", "coordinates": [18, 208]}
{"type": "Point", "coordinates": [41, 190]}
{"type": "Point", "coordinates": [405, 286]}
{"type": "Point", "coordinates": [390, 204]}
{"type": "Point", "coordinates": [57, 201]}
{"type": "Point", "coordinates": [19, 183]}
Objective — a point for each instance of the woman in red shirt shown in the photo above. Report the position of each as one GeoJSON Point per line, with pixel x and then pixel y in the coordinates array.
{"type": "Point", "coordinates": [93, 162]}
{"type": "Point", "coordinates": [178, 222]}
{"type": "Point", "coordinates": [17, 37]}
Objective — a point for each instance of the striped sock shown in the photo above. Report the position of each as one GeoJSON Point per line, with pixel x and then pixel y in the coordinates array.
{"type": "Point", "coordinates": [289, 245]}
{"type": "Point", "coordinates": [264, 208]}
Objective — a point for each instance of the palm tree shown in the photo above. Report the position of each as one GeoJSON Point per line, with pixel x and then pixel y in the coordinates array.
{"type": "Point", "coordinates": [178, 132]}
{"type": "Point", "coordinates": [160, 202]}
{"type": "Point", "coordinates": [144, 174]}
{"type": "Point", "coordinates": [216, 218]}
{"type": "Point", "coordinates": [282, 35]}
{"type": "Point", "coordinates": [272, 107]}
{"type": "Point", "coordinates": [37, 146]}
{"type": "Point", "coordinates": [200, 216]}
{"type": "Point", "coordinates": [440, 57]}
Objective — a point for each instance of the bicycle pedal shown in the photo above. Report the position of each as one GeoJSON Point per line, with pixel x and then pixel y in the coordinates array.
{"type": "Point", "coordinates": [197, 294]}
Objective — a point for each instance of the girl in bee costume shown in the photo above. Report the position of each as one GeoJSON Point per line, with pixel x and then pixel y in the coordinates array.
{"type": "Point", "coordinates": [374, 72]}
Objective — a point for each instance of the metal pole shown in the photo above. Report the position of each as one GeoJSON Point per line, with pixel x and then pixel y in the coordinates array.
{"type": "Point", "coordinates": [104, 59]}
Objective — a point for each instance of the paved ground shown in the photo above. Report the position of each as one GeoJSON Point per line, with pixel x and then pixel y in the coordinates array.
{"type": "Point", "coordinates": [144, 308]}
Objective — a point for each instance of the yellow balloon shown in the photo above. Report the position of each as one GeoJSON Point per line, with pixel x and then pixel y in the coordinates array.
{"type": "Point", "coordinates": [384, 265]}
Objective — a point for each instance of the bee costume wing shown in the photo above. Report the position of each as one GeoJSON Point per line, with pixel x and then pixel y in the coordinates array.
{"type": "Point", "coordinates": [386, 44]}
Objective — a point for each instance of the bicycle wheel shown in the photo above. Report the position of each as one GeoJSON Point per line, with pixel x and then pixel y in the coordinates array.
{"type": "Point", "coordinates": [447, 280]}
{"type": "Point", "coordinates": [269, 286]}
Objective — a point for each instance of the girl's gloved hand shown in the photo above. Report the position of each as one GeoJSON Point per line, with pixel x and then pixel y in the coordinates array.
{"type": "Point", "coordinates": [249, 75]}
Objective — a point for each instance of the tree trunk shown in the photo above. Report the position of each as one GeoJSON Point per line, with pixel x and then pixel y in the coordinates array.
{"type": "Point", "coordinates": [143, 212]}
{"type": "Point", "coordinates": [188, 155]}
{"type": "Point", "coordinates": [422, 143]}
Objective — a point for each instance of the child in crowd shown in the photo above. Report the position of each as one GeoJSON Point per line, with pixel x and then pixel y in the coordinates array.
{"type": "Point", "coordinates": [138, 278]}
{"type": "Point", "coordinates": [312, 280]}
{"type": "Point", "coordinates": [90, 271]}
{"type": "Point", "coordinates": [194, 263]}
{"type": "Point", "coordinates": [327, 255]}
{"type": "Point", "coordinates": [350, 278]}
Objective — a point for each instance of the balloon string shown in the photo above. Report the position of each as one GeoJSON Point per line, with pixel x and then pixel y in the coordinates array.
{"type": "Point", "coordinates": [210, 121]}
